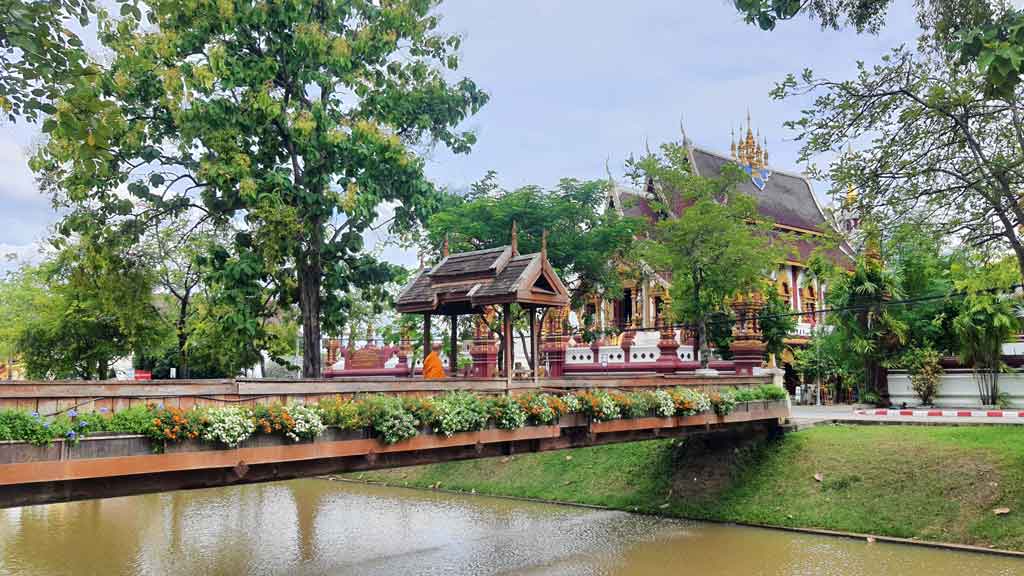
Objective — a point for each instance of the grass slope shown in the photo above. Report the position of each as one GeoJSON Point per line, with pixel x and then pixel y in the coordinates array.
{"type": "Point", "coordinates": [932, 483]}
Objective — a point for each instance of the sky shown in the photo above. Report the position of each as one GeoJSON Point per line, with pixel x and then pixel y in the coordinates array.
{"type": "Point", "coordinates": [576, 85]}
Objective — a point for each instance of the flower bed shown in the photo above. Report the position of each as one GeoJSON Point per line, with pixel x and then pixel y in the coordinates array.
{"type": "Point", "coordinates": [391, 419]}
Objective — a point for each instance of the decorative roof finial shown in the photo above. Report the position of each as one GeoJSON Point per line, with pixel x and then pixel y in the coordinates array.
{"type": "Point", "coordinates": [764, 149]}
{"type": "Point", "coordinates": [682, 130]}
{"type": "Point", "coordinates": [732, 143]}
{"type": "Point", "coordinates": [444, 247]}
{"type": "Point", "coordinates": [544, 244]}
{"type": "Point", "coordinates": [515, 239]}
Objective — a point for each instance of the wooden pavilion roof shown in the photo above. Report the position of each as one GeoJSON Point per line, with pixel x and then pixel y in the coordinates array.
{"type": "Point", "coordinates": [464, 283]}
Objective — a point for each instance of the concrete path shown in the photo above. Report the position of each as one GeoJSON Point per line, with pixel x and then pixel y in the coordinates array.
{"type": "Point", "coordinates": [810, 415]}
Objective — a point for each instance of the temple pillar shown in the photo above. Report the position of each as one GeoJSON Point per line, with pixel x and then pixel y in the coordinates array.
{"type": "Point", "coordinates": [556, 341]}
{"type": "Point", "coordinates": [747, 346]}
{"type": "Point", "coordinates": [484, 350]}
{"type": "Point", "coordinates": [668, 346]}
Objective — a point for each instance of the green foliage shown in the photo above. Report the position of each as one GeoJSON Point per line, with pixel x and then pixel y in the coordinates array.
{"type": "Point", "coordinates": [39, 55]}
{"type": "Point", "coordinates": [134, 420]}
{"type": "Point", "coordinates": [459, 411]}
{"type": "Point", "coordinates": [599, 405]}
{"type": "Point", "coordinates": [925, 370]}
{"type": "Point", "coordinates": [542, 408]}
{"type": "Point", "coordinates": [506, 413]}
{"type": "Point", "coordinates": [902, 107]}
{"type": "Point", "coordinates": [762, 392]}
{"type": "Point", "coordinates": [869, 329]}
{"type": "Point", "coordinates": [293, 121]}
{"type": "Point", "coordinates": [343, 413]}
{"type": "Point", "coordinates": [390, 421]}
{"type": "Point", "coordinates": [717, 248]}
{"type": "Point", "coordinates": [74, 315]}
{"type": "Point", "coordinates": [585, 242]}
{"type": "Point", "coordinates": [723, 402]}
{"type": "Point", "coordinates": [864, 15]}
{"type": "Point", "coordinates": [776, 320]}
{"type": "Point", "coordinates": [986, 320]}
{"type": "Point", "coordinates": [22, 426]}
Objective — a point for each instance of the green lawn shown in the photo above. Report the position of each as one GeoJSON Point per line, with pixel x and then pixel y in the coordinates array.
{"type": "Point", "coordinates": [932, 483]}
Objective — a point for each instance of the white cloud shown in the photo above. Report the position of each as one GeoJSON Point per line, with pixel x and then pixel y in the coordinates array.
{"type": "Point", "coordinates": [16, 179]}
{"type": "Point", "coordinates": [14, 255]}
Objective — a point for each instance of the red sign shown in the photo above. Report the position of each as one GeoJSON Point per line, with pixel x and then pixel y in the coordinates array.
{"type": "Point", "coordinates": [143, 375]}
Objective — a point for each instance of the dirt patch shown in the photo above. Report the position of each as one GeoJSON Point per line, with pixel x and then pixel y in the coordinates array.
{"type": "Point", "coordinates": [705, 468]}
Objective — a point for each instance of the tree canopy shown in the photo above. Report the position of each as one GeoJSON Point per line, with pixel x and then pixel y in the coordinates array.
{"type": "Point", "coordinates": [718, 248]}
{"type": "Point", "coordinates": [586, 243]}
{"type": "Point", "coordinates": [294, 122]}
{"type": "Point", "coordinates": [39, 55]}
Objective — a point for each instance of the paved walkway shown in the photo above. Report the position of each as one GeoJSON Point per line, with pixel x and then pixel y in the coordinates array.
{"type": "Point", "coordinates": [810, 415]}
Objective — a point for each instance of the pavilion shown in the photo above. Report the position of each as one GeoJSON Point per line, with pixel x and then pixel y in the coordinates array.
{"type": "Point", "coordinates": [469, 282]}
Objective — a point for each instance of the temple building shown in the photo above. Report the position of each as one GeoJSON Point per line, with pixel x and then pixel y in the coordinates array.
{"type": "Point", "coordinates": [786, 198]}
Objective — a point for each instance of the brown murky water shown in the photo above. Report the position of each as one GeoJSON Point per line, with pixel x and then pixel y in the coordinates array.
{"type": "Point", "coordinates": [307, 527]}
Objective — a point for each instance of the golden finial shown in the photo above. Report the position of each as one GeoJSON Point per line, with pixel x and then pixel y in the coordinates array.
{"type": "Point", "coordinates": [756, 164]}
{"type": "Point", "coordinates": [444, 247]}
{"type": "Point", "coordinates": [765, 152]}
{"type": "Point", "coordinates": [732, 143]}
{"type": "Point", "coordinates": [515, 239]}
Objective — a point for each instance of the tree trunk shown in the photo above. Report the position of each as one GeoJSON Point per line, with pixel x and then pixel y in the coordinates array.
{"type": "Point", "coordinates": [309, 305]}
{"type": "Point", "coordinates": [182, 328]}
{"type": "Point", "coordinates": [527, 350]}
{"type": "Point", "coordinates": [702, 340]}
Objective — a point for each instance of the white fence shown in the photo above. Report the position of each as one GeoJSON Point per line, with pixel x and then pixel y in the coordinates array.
{"type": "Point", "coordinates": [956, 390]}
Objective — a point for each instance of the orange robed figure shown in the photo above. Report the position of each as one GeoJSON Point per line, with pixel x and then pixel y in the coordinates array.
{"type": "Point", "coordinates": [432, 367]}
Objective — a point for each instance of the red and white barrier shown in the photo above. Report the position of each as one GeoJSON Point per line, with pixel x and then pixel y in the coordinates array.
{"type": "Point", "coordinates": [944, 413]}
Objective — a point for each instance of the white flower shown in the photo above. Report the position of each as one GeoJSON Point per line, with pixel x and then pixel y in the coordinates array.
{"type": "Point", "coordinates": [230, 426]}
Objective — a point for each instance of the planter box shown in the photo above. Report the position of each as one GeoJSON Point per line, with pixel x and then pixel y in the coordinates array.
{"type": "Point", "coordinates": [744, 412]}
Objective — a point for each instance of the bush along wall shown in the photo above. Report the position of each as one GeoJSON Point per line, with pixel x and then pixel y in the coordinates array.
{"type": "Point", "coordinates": [391, 419]}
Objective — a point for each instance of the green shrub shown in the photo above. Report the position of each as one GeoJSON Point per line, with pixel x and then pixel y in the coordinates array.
{"type": "Point", "coordinates": [135, 420]}
{"type": "Point", "coordinates": [723, 402]}
{"type": "Point", "coordinates": [638, 404]}
{"type": "Point", "coordinates": [541, 409]}
{"type": "Point", "coordinates": [459, 411]}
{"type": "Point", "coordinates": [925, 370]}
{"type": "Point", "coordinates": [21, 426]}
{"type": "Point", "coordinates": [388, 418]}
{"type": "Point", "coordinates": [420, 407]}
{"type": "Point", "coordinates": [342, 413]}
{"type": "Point", "coordinates": [506, 413]}
{"type": "Point", "coordinates": [599, 405]}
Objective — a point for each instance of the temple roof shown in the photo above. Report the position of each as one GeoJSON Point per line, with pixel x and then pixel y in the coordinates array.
{"type": "Point", "coordinates": [464, 283]}
{"type": "Point", "coordinates": [785, 198]}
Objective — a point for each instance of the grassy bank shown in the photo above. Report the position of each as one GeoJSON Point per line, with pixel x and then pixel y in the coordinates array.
{"type": "Point", "coordinates": [931, 483]}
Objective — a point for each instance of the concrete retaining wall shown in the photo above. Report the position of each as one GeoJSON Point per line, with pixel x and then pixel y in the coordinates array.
{"type": "Point", "coordinates": [957, 390]}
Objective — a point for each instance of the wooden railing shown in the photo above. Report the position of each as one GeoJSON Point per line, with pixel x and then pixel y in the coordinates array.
{"type": "Point", "coordinates": [54, 397]}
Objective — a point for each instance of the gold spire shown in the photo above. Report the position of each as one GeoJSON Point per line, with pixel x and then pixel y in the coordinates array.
{"type": "Point", "coordinates": [732, 143]}
{"type": "Point", "coordinates": [758, 153]}
{"type": "Point", "coordinates": [765, 151]}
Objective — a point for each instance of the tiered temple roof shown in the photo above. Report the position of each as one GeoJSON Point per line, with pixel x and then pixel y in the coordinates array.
{"type": "Point", "coordinates": [465, 283]}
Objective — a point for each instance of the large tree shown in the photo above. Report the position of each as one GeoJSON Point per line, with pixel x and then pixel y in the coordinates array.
{"type": "Point", "coordinates": [294, 121]}
{"type": "Point", "coordinates": [39, 55]}
{"type": "Point", "coordinates": [586, 243]}
{"type": "Point", "coordinates": [717, 249]}
{"type": "Point", "coordinates": [985, 35]}
{"type": "Point", "coordinates": [940, 150]}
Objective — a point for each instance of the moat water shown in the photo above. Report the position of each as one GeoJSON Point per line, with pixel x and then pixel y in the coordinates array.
{"type": "Point", "coordinates": [314, 526]}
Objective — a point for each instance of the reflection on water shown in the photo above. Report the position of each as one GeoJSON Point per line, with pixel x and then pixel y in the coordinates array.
{"type": "Point", "coordinates": [321, 527]}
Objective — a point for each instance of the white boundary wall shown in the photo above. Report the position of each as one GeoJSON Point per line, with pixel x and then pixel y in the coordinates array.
{"type": "Point", "coordinates": [956, 390]}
